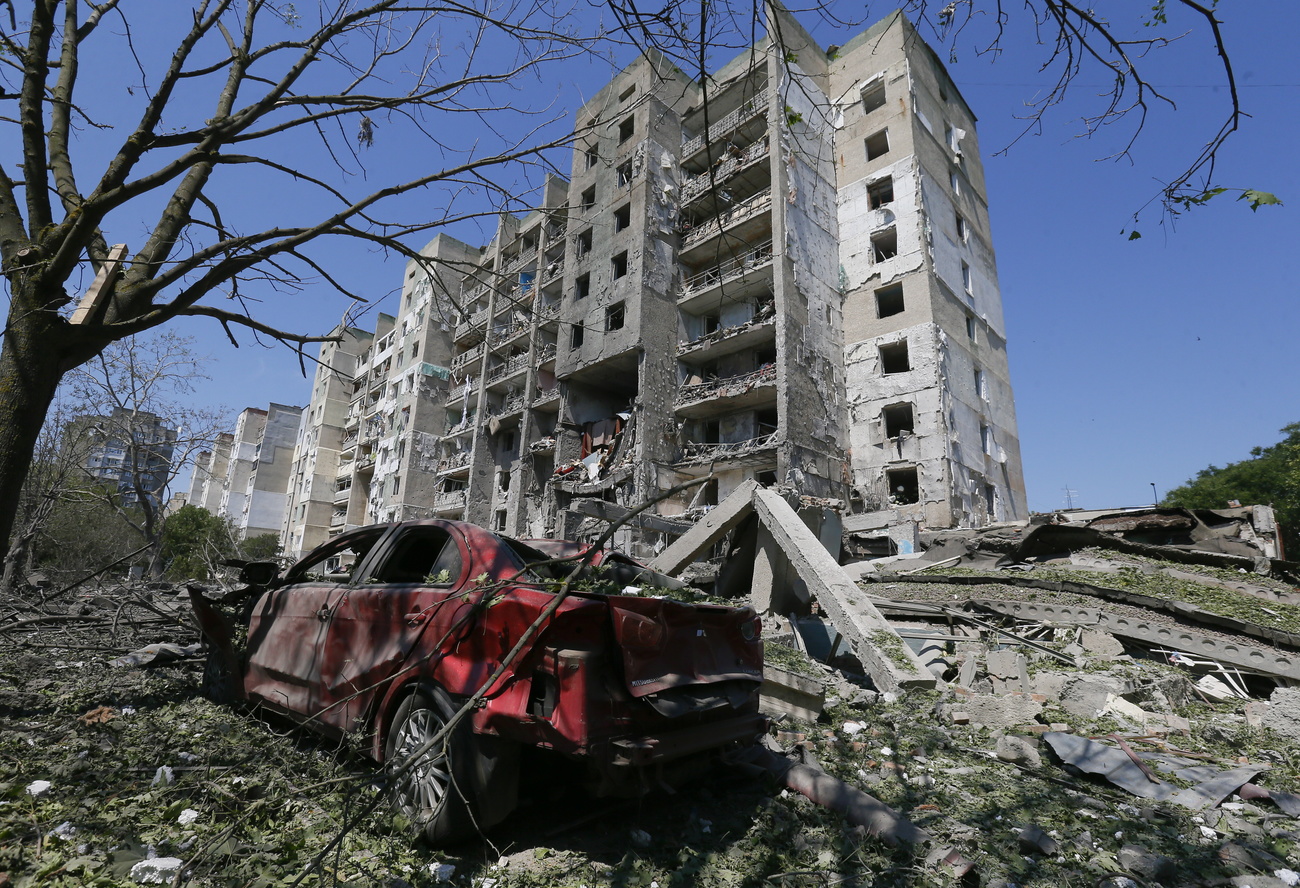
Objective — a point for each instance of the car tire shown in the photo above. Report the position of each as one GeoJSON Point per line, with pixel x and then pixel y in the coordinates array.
{"type": "Point", "coordinates": [434, 794]}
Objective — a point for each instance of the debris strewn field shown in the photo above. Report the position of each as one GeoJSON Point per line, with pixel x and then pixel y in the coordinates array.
{"type": "Point", "coordinates": [127, 775]}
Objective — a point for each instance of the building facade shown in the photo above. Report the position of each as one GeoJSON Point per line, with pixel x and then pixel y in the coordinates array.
{"type": "Point", "coordinates": [784, 273]}
{"type": "Point", "coordinates": [128, 450]}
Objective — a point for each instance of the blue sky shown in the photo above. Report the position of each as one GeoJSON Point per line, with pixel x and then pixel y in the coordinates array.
{"type": "Point", "coordinates": [1133, 362]}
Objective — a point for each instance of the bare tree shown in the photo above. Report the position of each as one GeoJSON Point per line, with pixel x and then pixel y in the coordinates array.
{"type": "Point", "coordinates": [136, 416]}
{"type": "Point", "coordinates": [222, 98]}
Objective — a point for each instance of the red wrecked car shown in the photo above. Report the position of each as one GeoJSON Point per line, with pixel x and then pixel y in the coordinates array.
{"type": "Point", "coordinates": [389, 629]}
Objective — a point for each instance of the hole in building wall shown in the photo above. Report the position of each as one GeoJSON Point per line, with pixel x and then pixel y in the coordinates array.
{"type": "Point", "coordinates": [904, 486]}
{"type": "Point", "coordinates": [877, 144]}
{"type": "Point", "coordinates": [619, 264]}
{"type": "Point", "coordinates": [499, 521]}
{"type": "Point", "coordinates": [873, 97]}
{"type": "Point", "coordinates": [592, 155]}
{"type": "Point", "coordinates": [893, 358]}
{"type": "Point", "coordinates": [884, 244]}
{"type": "Point", "coordinates": [881, 192]}
{"type": "Point", "coordinates": [588, 199]}
{"type": "Point", "coordinates": [583, 243]}
{"type": "Point", "coordinates": [575, 336]}
{"type": "Point", "coordinates": [625, 130]}
{"type": "Point", "coordinates": [582, 286]}
{"type": "Point", "coordinates": [765, 421]}
{"type": "Point", "coordinates": [898, 419]}
{"type": "Point", "coordinates": [627, 93]}
{"type": "Point", "coordinates": [614, 316]}
{"type": "Point", "coordinates": [622, 217]}
{"type": "Point", "coordinates": [625, 173]}
{"type": "Point", "coordinates": [889, 301]}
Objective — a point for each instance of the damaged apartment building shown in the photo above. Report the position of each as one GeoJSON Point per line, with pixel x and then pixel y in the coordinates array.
{"type": "Point", "coordinates": [783, 274]}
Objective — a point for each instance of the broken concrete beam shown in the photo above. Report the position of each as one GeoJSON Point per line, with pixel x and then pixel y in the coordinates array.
{"type": "Point", "coordinates": [612, 512]}
{"type": "Point", "coordinates": [887, 658]}
{"type": "Point", "coordinates": [720, 520]}
{"type": "Point", "coordinates": [789, 693]}
{"type": "Point", "coordinates": [1177, 638]}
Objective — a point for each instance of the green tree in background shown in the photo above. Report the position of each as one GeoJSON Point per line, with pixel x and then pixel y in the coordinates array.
{"type": "Point", "coordinates": [194, 541]}
{"type": "Point", "coordinates": [1270, 477]}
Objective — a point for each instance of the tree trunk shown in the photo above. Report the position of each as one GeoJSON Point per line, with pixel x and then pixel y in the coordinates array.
{"type": "Point", "coordinates": [33, 359]}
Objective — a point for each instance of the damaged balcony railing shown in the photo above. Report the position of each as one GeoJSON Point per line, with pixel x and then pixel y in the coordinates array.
{"type": "Point", "coordinates": [548, 311]}
{"type": "Point", "coordinates": [751, 108]}
{"type": "Point", "coordinates": [449, 499]}
{"type": "Point", "coordinates": [506, 331]}
{"type": "Point", "coordinates": [476, 321]}
{"type": "Point", "coordinates": [460, 390]}
{"type": "Point", "coordinates": [515, 365]}
{"type": "Point", "coordinates": [467, 357]}
{"type": "Point", "coordinates": [723, 272]}
{"type": "Point", "coordinates": [553, 269]}
{"type": "Point", "coordinates": [457, 460]}
{"type": "Point", "coordinates": [512, 404]}
{"type": "Point", "coordinates": [545, 353]}
{"type": "Point", "coordinates": [706, 452]}
{"type": "Point", "coordinates": [732, 385]}
{"type": "Point", "coordinates": [747, 208]}
{"type": "Point", "coordinates": [524, 257]}
{"type": "Point", "coordinates": [734, 163]}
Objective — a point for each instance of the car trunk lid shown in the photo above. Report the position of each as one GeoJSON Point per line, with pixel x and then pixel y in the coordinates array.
{"type": "Point", "coordinates": [668, 644]}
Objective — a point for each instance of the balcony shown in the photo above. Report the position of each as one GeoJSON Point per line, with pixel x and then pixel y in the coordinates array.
{"type": "Point", "coordinates": [730, 450]}
{"type": "Point", "coordinates": [545, 354]}
{"type": "Point", "coordinates": [473, 328]}
{"type": "Point", "coordinates": [543, 445]}
{"type": "Point", "coordinates": [724, 395]}
{"type": "Point", "coordinates": [548, 312]}
{"type": "Point", "coordinates": [512, 404]}
{"type": "Point", "coordinates": [338, 519]}
{"type": "Point", "coordinates": [739, 270]}
{"type": "Point", "coordinates": [522, 259]}
{"type": "Point", "coordinates": [465, 358]}
{"type": "Point", "coordinates": [735, 162]}
{"type": "Point", "coordinates": [450, 499]}
{"type": "Point", "coordinates": [747, 209]}
{"type": "Point", "coordinates": [554, 269]}
{"type": "Point", "coordinates": [461, 390]}
{"type": "Point", "coordinates": [747, 111]}
{"type": "Point", "coordinates": [458, 460]}
{"type": "Point", "coordinates": [506, 331]}
{"type": "Point", "coordinates": [343, 494]}
{"type": "Point", "coordinates": [756, 331]}
{"type": "Point", "coordinates": [512, 367]}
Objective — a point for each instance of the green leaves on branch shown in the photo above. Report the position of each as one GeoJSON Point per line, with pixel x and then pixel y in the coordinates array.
{"type": "Point", "coordinates": [1181, 203]}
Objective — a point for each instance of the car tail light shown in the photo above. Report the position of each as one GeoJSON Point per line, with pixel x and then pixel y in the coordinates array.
{"type": "Point", "coordinates": [638, 631]}
{"type": "Point", "coordinates": [751, 629]}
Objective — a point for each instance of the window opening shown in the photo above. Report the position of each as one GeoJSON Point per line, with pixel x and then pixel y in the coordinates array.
{"type": "Point", "coordinates": [965, 277]}
{"type": "Point", "coordinates": [582, 287]}
{"type": "Point", "coordinates": [970, 327]}
{"type": "Point", "coordinates": [979, 383]}
{"type": "Point", "coordinates": [893, 358]}
{"type": "Point", "coordinates": [625, 174]}
{"type": "Point", "coordinates": [575, 336]}
{"type": "Point", "coordinates": [873, 97]}
{"type": "Point", "coordinates": [627, 93]}
{"type": "Point", "coordinates": [881, 192]}
{"type": "Point", "coordinates": [986, 439]}
{"type": "Point", "coordinates": [619, 264]}
{"type": "Point", "coordinates": [877, 144]}
{"type": "Point", "coordinates": [889, 301]}
{"type": "Point", "coordinates": [622, 217]}
{"type": "Point", "coordinates": [588, 199]}
{"type": "Point", "coordinates": [904, 486]}
{"type": "Point", "coordinates": [962, 231]}
{"type": "Point", "coordinates": [614, 316]}
{"type": "Point", "coordinates": [592, 155]}
{"type": "Point", "coordinates": [625, 130]}
{"type": "Point", "coordinates": [899, 419]}
{"type": "Point", "coordinates": [500, 523]}
{"type": "Point", "coordinates": [583, 244]}
{"type": "Point", "coordinates": [884, 244]}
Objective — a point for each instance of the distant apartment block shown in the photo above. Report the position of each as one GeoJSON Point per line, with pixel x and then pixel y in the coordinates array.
{"type": "Point", "coordinates": [128, 450]}
{"type": "Point", "coordinates": [785, 274]}
{"type": "Point", "coordinates": [245, 476]}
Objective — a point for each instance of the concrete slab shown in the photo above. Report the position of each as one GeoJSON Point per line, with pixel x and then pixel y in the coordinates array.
{"type": "Point", "coordinates": [888, 660]}
{"type": "Point", "coordinates": [721, 519]}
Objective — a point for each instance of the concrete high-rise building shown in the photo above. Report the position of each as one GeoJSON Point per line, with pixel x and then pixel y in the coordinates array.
{"type": "Point", "coordinates": [129, 450]}
{"type": "Point", "coordinates": [311, 513]}
{"type": "Point", "coordinates": [266, 491]}
{"type": "Point", "coordinates": [784, 273]}
{"type": "Point", "coordinates": [209, 479]}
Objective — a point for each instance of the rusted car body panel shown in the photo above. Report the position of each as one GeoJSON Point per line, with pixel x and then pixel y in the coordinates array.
{"type": "Point", "coordinates": [355, 626]}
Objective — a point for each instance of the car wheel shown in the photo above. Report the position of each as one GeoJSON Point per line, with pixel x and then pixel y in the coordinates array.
{"type": "Point", "coordinates": [433, 793]}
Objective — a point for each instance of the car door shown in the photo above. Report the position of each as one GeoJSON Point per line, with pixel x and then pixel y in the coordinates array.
{"type": "Point", "coordinates": [287, 632]}
{"type": "Point", "coordinates": [379, 618]}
